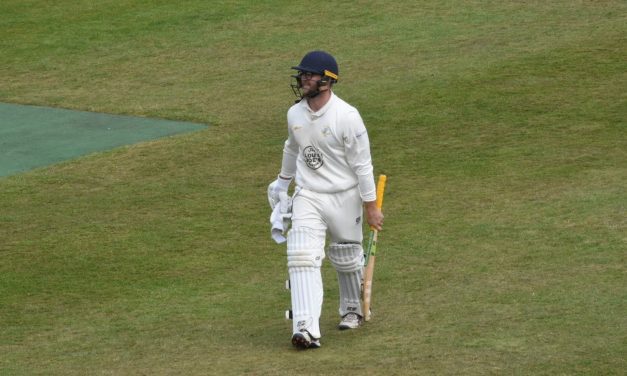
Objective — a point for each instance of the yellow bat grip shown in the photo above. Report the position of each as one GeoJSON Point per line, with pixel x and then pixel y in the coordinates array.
{"type": "Point", "coordinates": [380, 189]}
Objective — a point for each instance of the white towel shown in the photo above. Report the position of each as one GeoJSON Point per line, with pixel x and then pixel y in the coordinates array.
{"type": "Point", "coordinates": [280, 218]}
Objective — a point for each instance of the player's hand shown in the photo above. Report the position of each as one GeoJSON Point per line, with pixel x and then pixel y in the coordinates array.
{"type": "Point", "coordinates": [374, 216]}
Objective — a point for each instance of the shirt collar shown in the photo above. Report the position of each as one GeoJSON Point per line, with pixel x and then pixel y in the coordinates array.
{"type": "Point", "coordinates": [324, 108]}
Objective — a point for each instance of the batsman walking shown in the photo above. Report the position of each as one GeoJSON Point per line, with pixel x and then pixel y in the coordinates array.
{"type": "Point", "coordinates": [327, 152]}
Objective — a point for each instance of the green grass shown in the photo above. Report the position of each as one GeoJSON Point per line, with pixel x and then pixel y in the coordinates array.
{"type": "Point", "coordinates": [500, 125]}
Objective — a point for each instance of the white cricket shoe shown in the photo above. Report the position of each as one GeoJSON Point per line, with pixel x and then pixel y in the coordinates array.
{"type": "Point", "coordinates": [304, 340]}
{"type": "Point", "coordinates": [350, 321]}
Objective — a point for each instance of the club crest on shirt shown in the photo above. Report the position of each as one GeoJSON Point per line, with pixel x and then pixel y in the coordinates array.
{"type": "Point", "coordinates": [313, 157]}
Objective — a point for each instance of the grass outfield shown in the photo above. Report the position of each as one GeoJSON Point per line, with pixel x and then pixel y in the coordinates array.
{"type": "Point", "coordinates": [500, 125]}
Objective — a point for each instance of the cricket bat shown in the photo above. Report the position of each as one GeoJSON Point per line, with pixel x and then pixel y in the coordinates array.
{"type": "Point", "coordinates": [371, 253]}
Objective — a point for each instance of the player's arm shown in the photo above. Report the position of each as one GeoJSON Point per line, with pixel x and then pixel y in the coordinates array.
{"type": "Point", "coordinates": [357, 146]}
{"type": "Point", "coordinates": [288, 170]}
{"type": "Point", "coordinates": [357, 149]}
{"type": "Point", "coordinates": [288, 164]}
{"type": "Point", "coordinates": [290, 150]}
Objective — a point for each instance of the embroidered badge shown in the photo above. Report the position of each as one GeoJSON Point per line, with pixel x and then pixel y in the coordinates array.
{"type": "Point", "coordinates": [313, 157]}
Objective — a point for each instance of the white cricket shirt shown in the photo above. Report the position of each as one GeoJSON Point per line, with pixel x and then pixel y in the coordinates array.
{"type": "Point", "coordinates": [328, 150]}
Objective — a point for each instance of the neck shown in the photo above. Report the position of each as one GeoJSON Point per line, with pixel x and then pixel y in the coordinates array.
{"type": "Point", "coordinates": [317, 102]}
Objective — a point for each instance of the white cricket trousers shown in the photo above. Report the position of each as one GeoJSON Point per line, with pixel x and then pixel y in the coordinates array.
{"type": "Point", "coordinates": [340, 214]}
{"type": "Point", "coordinates": [313, 216]}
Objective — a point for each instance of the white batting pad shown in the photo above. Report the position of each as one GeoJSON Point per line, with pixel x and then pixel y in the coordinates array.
{"type": "Point", "coordinates": [305, 252]}
{"type": "Point", "coordinates": [348, 261]}
{"type": "Point", "coordinates": [307, 295]}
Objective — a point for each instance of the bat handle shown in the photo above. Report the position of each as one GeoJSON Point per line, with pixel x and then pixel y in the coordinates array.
{"type": "Point", "coordinates": [380, 190]}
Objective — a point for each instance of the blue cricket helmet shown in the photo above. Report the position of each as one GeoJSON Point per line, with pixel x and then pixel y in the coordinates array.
{"type": "Point", "coordinates": [319, 62]}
